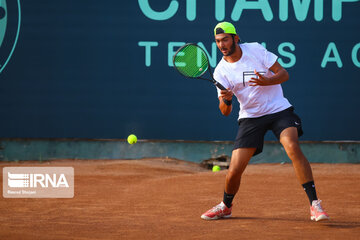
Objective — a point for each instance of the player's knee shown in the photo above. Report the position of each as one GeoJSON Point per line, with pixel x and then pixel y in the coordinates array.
{"type": "Point", "coordinates": [292, 148]}
{"type": "Point", "coordinates": [233, 175]}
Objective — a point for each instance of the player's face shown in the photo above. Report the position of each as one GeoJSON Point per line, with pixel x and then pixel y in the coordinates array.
{"type": "Point", "coordinates": [225, 43]}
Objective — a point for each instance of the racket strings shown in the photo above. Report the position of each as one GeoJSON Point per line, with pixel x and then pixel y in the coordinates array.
{"type": "Point", "coordinates": [191, 61]}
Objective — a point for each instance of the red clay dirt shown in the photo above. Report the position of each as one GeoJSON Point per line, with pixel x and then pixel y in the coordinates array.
{"type": "Point", "coordinates": [164, 198]}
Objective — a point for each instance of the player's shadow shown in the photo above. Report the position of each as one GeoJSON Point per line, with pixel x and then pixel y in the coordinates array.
{"type": "Point", "coordinates": [266, 219]}
{"type": "Point", "coordinates": [330, 223]}
{"type": "Point", "coordinates": [342, 225]}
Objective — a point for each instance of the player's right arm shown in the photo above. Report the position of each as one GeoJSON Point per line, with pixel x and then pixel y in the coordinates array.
{"type": "Point", "coordinates": [225, 101]}
{"type": "Point", "coordinates": [225, 96]}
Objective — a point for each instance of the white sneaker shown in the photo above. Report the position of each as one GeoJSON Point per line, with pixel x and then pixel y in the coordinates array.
{"type": "Point", "coordinates": [219, 211]}
{"type": "Point", "coordinates": [316, 211]}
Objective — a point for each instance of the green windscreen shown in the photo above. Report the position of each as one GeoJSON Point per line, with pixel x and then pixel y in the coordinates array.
{"type": "Point", "coordinates": [191, 61]}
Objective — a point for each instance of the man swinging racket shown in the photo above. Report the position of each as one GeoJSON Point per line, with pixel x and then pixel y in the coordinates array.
{"type": "Point", "coordinates": [253, 75]}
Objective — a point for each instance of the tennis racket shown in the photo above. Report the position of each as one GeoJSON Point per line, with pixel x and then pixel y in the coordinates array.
{"type": "Point", "coordinates": [191, 61]}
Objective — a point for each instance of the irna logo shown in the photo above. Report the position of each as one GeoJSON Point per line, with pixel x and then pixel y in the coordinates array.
{"type": "Point", "coordinates": [38, 182]}
{"type": "Point", "coordinates": [10, 18]}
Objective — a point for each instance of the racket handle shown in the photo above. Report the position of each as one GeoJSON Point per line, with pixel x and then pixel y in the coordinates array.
{"type": "Point", "coordinates": [219, 85]}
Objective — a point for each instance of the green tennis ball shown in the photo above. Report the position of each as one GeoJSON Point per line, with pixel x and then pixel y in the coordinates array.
{"type": "Point", "coordinates": [216, 168]}
{"type": "Point", "coordinates": [132, 139]}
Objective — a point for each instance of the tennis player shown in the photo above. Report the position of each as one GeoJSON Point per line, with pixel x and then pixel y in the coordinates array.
{"type": "Point", "coordinates": [253, 75]}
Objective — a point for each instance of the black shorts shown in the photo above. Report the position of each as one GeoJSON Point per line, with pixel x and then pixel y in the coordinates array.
{"type": "Point", "coordinates": [252, 130]}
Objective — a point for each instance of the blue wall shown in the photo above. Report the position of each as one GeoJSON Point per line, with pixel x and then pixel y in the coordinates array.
{"type": "Point", "coordinates": [193, 151]}
{"type": "Point", "coordinates": [80, 68]}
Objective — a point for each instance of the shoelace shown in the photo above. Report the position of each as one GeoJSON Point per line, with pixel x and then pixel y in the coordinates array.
{"type": "Point", "coordinates": [216, 208]}
{"type": "Point", "coordinates": [317, 206]}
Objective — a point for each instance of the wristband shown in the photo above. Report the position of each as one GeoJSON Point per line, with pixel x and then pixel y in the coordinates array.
{"type": "Point", "coordinates": [227, 102]}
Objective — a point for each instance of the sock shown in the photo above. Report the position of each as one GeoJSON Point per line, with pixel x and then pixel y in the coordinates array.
{"type": "Point", "coordinates": [228, 198]}
{"type": "Point", "coordinates": [309, 188]}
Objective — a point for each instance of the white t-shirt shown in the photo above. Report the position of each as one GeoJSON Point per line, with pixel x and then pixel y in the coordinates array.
{"type": "Point", "coordinates": [255, 101]}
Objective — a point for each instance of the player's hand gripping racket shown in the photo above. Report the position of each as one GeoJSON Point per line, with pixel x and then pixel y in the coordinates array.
{"type": "Point", "coordinates": [191, 61]}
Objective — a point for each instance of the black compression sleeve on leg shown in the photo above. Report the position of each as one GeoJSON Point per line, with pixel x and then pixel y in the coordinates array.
{"type": "Point", "coordinates": [228, 198]}
{"type": "Point", "coordinates": [310, 190]}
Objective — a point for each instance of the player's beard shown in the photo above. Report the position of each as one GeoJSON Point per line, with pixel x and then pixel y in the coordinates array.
{"type": "Point", "coordinates": [232, 48]}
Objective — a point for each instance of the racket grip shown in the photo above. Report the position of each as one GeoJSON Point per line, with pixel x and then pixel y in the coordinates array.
{"type": "Point", "coordinates": [219, 85]}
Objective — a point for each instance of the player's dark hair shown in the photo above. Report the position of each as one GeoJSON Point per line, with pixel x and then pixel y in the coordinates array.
{"type": "Point", "coordinates": [233, 38]}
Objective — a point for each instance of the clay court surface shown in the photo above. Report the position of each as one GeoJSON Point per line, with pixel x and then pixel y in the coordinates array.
{"type": "Point", "coordinates": [163, 199]}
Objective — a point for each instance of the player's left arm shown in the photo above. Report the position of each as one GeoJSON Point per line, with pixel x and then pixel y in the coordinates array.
{"type": "Point", "coordinates": [280, 76]}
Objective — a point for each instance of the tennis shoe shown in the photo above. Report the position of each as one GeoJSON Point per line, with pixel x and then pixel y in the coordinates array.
{"type": "Point", "coordinates": [219, 211]}
{"type": "Point", "coordinates": [316, 211]}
